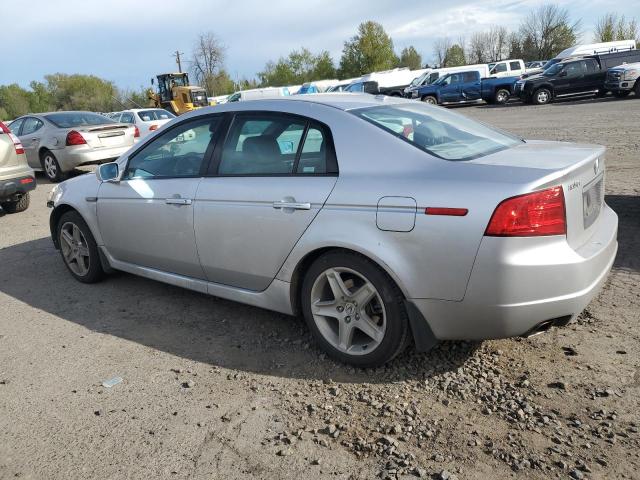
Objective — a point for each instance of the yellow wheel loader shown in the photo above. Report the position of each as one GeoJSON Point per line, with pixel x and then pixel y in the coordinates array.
{"type": "Point", "coordinates": [176, 95]}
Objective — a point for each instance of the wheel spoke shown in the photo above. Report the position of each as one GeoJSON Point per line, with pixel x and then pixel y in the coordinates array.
{"type": "Point", "coordinates": [345, 335]}
{"type": "Point", "coordinates": [369, 328]}
{"type": "Point", "coordinates": [76, 234]}
{"type": "Point", "coordinates": [67, 238]}
{"type": "Point", "coordinates": [68, 254]}
{"type": "Point", "coordinates": [364, 295]}
{"type": "Point", "coordinates": [325, 308]}
{"type": "Point", "coordinates": [338, 288]}
{"type": "Point", "coordinates": [83, 251]}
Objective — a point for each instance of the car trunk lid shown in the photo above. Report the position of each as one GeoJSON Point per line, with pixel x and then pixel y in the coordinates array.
{"type": "Point", "coordinates": [578, 168]}
{"type": "Point", "coordinates": [107, 136]}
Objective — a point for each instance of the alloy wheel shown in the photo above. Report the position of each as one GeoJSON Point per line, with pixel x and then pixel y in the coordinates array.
{"type": "Point", "coordinates": [50, 166]}
{"type": "Point", "coordinates": [543, 96]}
{"type": "Point", "coordinates": [75, 249]}
{"type": "Point", "coordinates": [348, 311]}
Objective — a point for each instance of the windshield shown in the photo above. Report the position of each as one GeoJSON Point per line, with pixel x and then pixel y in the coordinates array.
{"type": "Point", "coordinates": [418, 80]}
{"type": "Point", "coordinates": [553, 70]}
{"type": "Point", "coordinates": [441, 80]}
{"type": "Point", "coordinates": [77, 119]}
{"type": "Point", "coordinates": [156, 114]}
{"type": "Point", "coordinates": [441, 133]}
{"type": "Point", "coordinates": [551, 63]}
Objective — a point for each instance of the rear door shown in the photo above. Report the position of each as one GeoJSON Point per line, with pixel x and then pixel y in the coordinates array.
{"type": "Point", "coordinates": [470, 88]}
{"type": "Point", "coordinates": [268, 181]}
{"type": "Point", "coordinates": [594, 77]}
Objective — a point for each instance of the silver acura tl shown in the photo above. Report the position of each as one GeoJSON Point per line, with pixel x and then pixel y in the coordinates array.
{"type": "Point", "coordinates": [382, 221]}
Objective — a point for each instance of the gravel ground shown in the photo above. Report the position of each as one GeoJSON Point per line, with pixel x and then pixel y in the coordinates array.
{"type": "Point", "coordinates": [213, 389]}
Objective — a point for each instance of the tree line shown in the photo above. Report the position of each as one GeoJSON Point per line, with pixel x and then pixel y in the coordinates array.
{"type": "Point", "coordinates": [542, 34]}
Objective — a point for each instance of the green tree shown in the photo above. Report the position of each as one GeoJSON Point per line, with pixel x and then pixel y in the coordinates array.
{"type": "Point", "coordinates": [455, 56]}
{"type": "Point", "coordinates": [14, 101]}
{"type": "Point", "coordinates": [611, 27]}
{"type": "Point", "coordinates": [324, 68]}
{"type": "Point", "coordinates": [298, 67]}
{"type": "Point", "coordinates": [370, 50]}
{"type": "Point", "coordinates": [81, 92]}
{"type": "Point", "coordinates": [409, 57]}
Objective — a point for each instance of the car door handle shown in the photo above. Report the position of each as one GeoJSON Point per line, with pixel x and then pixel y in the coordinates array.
{"type": "Point", "coordinates": [292, 205]}
{"type": "Point", "coordinates": [178, 201]}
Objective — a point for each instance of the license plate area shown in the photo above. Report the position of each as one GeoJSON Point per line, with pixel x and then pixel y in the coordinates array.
{"type": "Point", "coordinates": [592, 200]}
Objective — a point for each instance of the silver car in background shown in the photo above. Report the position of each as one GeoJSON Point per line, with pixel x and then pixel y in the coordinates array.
{"type": "Point", "coordinates": [58, 142]}
{"type": "Point", "coordinates": [380, 220]}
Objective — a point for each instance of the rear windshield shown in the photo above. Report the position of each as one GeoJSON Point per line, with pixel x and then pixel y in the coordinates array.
{"type": "Point", "coordinates": [158, 114]}
{"type": "Point", "coordinates": [77, 119]}
{"type": "Point", "coordinates": [441, 133]}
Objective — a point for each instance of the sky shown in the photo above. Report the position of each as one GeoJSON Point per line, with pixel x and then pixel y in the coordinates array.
{"type": "Point", "coordinates": [130, 41]}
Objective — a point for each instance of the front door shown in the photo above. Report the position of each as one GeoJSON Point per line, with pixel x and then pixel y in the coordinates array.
{"type": "Point", "coordinates": [271, 178]}
{"type": "Point", "coordinates": [146, 218]}
{"type": "Point", "coordinates": [30, 137]}
{"type": "Point", "coordinates": [450, 91]}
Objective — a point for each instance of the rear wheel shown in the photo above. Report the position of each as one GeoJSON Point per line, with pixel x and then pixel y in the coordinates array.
{"type": "Point", "coordinates": [431, 100]}
{"type": "Point", "coordinates": [542, 96]}
{"type": "Point", "coordinates": [78, 248]}
{"type": "Point", "coordinates": [16, 206]}
{"type": "Point", "coordinates": [51, 167]}
{"type": "Point", "coordinates": [354, 311]}
{"type": "Point", "coordinates": [502, 96]}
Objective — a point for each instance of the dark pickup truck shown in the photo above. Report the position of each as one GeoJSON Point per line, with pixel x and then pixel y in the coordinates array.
{"type": "Point", "coordinates": [467, 87]}
{"type": "Point", "coordinates": [572, 77]}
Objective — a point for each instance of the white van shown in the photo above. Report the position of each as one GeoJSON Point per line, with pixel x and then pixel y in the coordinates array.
{"type": "Point", "coordinates": [387, 82]}
{"type": "Point", "coordinates": [259, 94]}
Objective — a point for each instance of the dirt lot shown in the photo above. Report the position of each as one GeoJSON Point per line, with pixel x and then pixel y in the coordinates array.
{"type": "Point", "coordinates": [218, 390]}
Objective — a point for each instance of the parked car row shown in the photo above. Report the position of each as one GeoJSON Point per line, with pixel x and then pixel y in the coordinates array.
{"type": "Point", "coordinates": [145, 120]}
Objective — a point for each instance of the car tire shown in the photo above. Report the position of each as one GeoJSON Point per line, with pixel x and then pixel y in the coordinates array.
{"type": "Point", "coordinates": [17, 206]}
{"type": "Point", "coordinates": [542, 96]}
{"type": "Point", "coordinates": [51, 167]}
{"type": "Point", "coordinates": [375, 331]}
{"type": "Point", "coordinates": [430, 99]}
{"type": "Point", "coordinates": [78, 248]}
{"type": "Point", "coordinates": [502, 96]}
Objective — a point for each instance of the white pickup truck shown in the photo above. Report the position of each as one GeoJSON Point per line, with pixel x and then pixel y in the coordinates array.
{"type": "Point", "coordinates": [623, 79]}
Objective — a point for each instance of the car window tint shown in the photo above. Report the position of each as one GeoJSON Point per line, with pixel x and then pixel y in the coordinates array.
{"type": "Point", "coordinates": [15, 126]}
{"type": "Point", "coordinates": [514, 65]}
{"type": "Point", "coordinates": [261, 145]}
{"type": "Point", "coordinates": [500, 67]}
{"type": "Point", "coordinates": [179, 152]}
{"type": "Point", "coordinates": [31, 125]}
{"type": "Point", "coordinates": [591, 66]}
{"type": "Point", "coordinates": [470, 76]}
{"type": "Point", "coordinates": [126, 118]}
{"type": "Point", "coordinates": [313, 158]}
{"type": "Point", "coordinates": [573, 69]}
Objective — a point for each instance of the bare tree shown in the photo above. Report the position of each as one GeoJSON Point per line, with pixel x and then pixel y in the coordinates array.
{"type": "Point", "coordinates": [549, 30]}
{"type": "Point", "coordinates": [207, 61]}
{"type": "Point", "coordinates": [440, 48]}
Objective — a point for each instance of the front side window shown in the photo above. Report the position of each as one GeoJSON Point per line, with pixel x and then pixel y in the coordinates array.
{"type": "Point", "coordinates": [178, 152]}
{"type": "Point", "coordinates": [264, 144]}
{"type": "Point", "coordinates": [499, 68]}
{"type": "Point", "coordinates": [574, 69]}
{"type": "Point", "coordinates": [439, 132]}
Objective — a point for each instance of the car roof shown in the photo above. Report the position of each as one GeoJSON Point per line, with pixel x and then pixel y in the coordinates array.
{"type": "Point", "coordinates": [342, 101]}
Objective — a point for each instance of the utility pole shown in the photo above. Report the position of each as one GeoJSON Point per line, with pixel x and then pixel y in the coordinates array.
{"type": "Point", "coordinates": [177, 55]}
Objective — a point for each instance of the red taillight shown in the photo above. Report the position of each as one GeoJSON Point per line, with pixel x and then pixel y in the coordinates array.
{"type": "Point", "coordinates": [75, 138]}
{"type": "Point", "coordinates": [16, 141]}
{"type": "Point", "coordinates": [136, 133]}
{"type": "Point", "coordinates": [530, 215]}
{"type": "Point", "coordinates": [25, 181]}
{"type": "Point", "coordinates": [153, 127]}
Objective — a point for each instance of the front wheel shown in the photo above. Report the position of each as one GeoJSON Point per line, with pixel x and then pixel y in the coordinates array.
{"type": "Point", "coordinates": [542, 96]}
{"type": "Point", "coordinates": [429, 99]}
{"type": "Point", "coordinates": [16, 206]}
{"type": "Point", "coordinates": [354, 310]}
{"type": "Point", "coordinates": [78, 248]}
{"type": "Point", "coordinates": [502, 96]}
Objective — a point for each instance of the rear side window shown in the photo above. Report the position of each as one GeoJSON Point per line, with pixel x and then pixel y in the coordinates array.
{"type": "Point", "coordinates": [439, 132]}
{"type": "Point", "coordinates": [264, 144]}
{"type": "Point", "coordinates": [15, 126]}
{"type": "Point", "coordinates": [514, 65]}
{"type": "Point", "coordinates": [158, 114]}
{"type": "Point", "coordinates": [470, 77]}
{"type": "Point", "coordinates": [126, 118]}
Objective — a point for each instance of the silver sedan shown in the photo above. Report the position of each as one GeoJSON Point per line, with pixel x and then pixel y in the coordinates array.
{"type": "Point", "coordinates": [58, 142]}
{"type": "Point", "coordinates": [382, 221]}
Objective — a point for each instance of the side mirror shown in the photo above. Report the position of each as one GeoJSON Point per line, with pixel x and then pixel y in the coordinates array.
{"type": "Point", "coordinates": [108, 172]}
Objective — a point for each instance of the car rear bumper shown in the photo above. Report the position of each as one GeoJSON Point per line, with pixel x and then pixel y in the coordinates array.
{"type": "Point", "coordinates": [517, 284]}
{"type": "Point", "coordinates": [14, 188]}
{"type": "Point", "coordinates": [70, 158]}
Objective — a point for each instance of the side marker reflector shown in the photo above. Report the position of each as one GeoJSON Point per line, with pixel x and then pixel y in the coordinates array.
{"type": "Point", "coordinates": [452, 212]}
